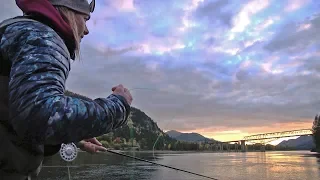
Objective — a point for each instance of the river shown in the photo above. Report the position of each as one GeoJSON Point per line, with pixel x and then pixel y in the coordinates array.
{"type": "Point", "coordinates": [272, 165]}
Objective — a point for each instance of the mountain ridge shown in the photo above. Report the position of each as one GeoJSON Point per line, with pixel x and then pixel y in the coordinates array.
{"type": "Point", "coordinates": [189, 137]}
{"type": "Point", "coordinates": [141, 133]}
{"type": "Point", "coordinates": [301, 143]}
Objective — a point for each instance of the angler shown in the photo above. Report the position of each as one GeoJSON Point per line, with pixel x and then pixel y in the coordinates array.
{"type": "Point", "coordinates": [36, 50]}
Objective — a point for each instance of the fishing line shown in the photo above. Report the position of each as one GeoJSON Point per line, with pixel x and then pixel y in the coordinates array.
{"type": "Point", "coordinates": [169, 122]}
{"type": "Point", "coordinates": [170, 167]}
{"type": "Point", "coordinates": [153, 148]}
{"type": "Point", "coordinates": [68, 152]}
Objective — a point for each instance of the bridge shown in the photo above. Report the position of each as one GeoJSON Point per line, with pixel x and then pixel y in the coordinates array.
{"type": "Point", "coordinates": [262, 138]}
{"type": "Point", "coordinates": [300, 132]}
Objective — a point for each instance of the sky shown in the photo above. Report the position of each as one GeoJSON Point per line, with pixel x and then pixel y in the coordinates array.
{"type": "Point", "coordinates": [221, 68]}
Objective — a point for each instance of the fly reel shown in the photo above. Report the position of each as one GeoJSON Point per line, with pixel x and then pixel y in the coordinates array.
{"type": "Point", "coordinates": [68, 152]}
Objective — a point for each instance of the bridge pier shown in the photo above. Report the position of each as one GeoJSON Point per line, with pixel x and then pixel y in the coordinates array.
{"type": "Point", "coordinates": [263, 148]}
{"type": "Point", "coordinates": [228, 147]}
{"type": "Point", "coordinates": [243, 146]}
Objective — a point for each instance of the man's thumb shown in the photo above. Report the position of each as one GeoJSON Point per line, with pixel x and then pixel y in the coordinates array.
{"type": "Point", "coordinates": [119, 86]}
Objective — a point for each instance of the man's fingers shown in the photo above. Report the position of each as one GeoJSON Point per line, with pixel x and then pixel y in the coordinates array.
{"type": "Point", "coordinates": [93, 148]}
{"type": "Point", "coordinates": [100, 148]}
{"type": "Point", "coordinates": [119, 86]}
{"type": "Point", "coordinates": [89, 147]}
{"type": "Point", "coordinates": [120, 90]}
{"type": "Point", "coordinates": [94, 141]}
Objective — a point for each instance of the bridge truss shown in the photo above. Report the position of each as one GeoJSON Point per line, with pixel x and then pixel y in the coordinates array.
{"type": "Point", "coordinates": [277, 135]}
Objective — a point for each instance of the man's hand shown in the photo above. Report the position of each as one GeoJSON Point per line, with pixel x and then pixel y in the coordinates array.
{"type": "Point", "coordinates": [122, 91]}
{"type": "Point", "coordinates": [91, 145]}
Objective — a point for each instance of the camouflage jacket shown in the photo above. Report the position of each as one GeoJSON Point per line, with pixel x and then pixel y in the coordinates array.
{"type": "Point", "coordinates": [38, 110]}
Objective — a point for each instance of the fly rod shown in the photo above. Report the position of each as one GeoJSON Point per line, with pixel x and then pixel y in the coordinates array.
{"type": "Point", "coordinates": [133, 157]}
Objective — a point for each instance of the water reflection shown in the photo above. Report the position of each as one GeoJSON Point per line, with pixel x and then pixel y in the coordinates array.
{"type": "Point", "coordinates": [251, 165]}
{"type": "Point", "coordinates": [100, 166]}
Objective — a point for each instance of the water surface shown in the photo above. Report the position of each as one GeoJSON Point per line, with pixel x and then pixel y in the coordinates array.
{"type": "Point", "coordinates": [285, 165]}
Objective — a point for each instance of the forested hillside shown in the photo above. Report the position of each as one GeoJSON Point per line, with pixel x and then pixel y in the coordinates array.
{"type": "Point", "coordinates": [141, 132]}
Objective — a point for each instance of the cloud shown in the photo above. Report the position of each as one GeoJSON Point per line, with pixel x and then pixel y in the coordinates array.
{"type": "Point", "coordinates": [295, 37]}
{"type": "Point", "coordinates": [214, 11]}
{"type": "Point", "coordinates": [214, 67]}
{"type": "Point", "coordinates": [293, 5]}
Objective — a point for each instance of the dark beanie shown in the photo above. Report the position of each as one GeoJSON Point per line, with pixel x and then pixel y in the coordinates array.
{"type": "Point", "coordinates": [81, 6]}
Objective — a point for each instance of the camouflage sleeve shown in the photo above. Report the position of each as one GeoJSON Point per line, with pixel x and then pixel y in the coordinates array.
{"type": "Point", "coordinates": [39, 111]}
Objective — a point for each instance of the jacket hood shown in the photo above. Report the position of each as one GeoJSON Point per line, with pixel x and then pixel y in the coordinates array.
{"type": "Point", "coordinates": [45, 9]}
